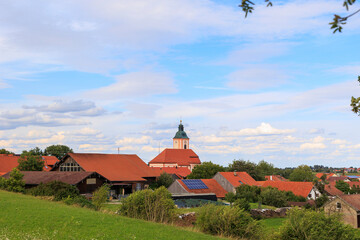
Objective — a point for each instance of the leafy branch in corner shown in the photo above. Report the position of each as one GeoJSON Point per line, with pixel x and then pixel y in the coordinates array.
{"type": "Point", "coordinates": [355, 102]}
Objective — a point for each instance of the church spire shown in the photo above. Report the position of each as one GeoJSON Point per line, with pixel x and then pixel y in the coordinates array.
{"type": "Point", "coordinates": [181, 140]}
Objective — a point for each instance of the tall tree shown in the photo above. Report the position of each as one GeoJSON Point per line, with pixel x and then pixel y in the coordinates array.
{"type": "Point", "coordinates": [30, 162]}
{"type": "Point", "coordinates": [4, 151]}
{"type": "Point", "coordinates": [36, 151]}
{"type": "Point", "coordinates": [246, 166]}
{"type": "Point", "coordinates": [265, 168]}
{"type": "Point", "coordinates": [205, 171]}
{"type": "Point", "coordinates": [302, 173]}
{"type": "Point", "coordinates": [58, 151]}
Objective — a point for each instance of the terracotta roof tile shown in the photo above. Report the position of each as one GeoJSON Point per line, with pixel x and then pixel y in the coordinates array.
{"type": "Point", "coordinates": [353, 200]}
{"type": "Point", "coordinates": [298, 188]}
{"type": "Point", "coordinates": [183, 157]}
{"type": "Point", "coordinates": [332, 190]}
{"type": "Point", "coordinates": [238, 178]}
{"type": "Point", "coordinates": [275, 178]}
{"type": "Point", "coordinates": [115, 167]}
{"type": "Point", "coordinates": [213, 187]}
{"type": "Point", "coordinates": [37, 177]}
{"type": "Point", "coordinates": [8, 162]}
{"type": "Point", "coordinates": [180, 171]}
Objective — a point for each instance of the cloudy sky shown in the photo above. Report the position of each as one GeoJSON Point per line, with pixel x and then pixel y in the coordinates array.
{"type": "Point", "coordinates": [98, 76]}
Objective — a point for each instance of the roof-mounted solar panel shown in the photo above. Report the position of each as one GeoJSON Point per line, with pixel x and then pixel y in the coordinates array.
{"type": "Point", "coordinates": [194, 184]}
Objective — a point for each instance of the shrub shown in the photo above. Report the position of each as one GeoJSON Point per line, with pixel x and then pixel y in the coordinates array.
{"type": "Point", "coordinates": [250, 193]}
{"type": "Point", "coordinates": [100, 196]}
{"type": "Point", "coordinates": [164, 179]}
{"type": "Point", "coordinates": [308, 224]}
{"type": "Point", "coordinates": [58, 190]}
{"type": "Point", "coordinates": [15, 182]}
{"type": "Point", "coordinates": [149, 205]}
{"type": "Point", "coordinates": [28, 161]}
{"type": "Point", "coordinates": [320, 201]}
{"type": "Point", "coordinates": [230, 197]}
{"type": "Point", "coordinates": [80, 201]}
{"type": "Point", "coordinates": [342, 186]}
{"type": "Point", "coordinates": [228, 221]}
{"type": "Point", "coordinates": [273, 197]}
{"type": "Point", "coordinates": [242, 203]}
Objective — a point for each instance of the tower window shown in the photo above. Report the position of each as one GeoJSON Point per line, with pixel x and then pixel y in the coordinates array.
{"type": "Point", "coordinates": [185, 146]}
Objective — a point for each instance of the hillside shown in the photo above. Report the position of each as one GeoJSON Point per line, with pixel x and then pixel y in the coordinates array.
{"type": "Point", "coordinates": [26, 217]}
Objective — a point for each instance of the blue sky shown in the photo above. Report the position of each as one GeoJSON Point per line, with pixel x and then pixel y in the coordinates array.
{"type": "Point", "coordinates": [97, 77]}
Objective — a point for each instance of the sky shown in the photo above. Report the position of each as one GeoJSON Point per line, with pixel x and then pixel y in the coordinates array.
{"type": "Point", "coordinates": [101, 76]}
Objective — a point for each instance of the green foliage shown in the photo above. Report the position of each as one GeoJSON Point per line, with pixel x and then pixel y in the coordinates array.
{"type": "Point", "coordinates": [343, 186]}
{"type": "Point", "coordinates": [195, 203]}
{"type": "Point", "coordinates": [355, 102]}
{"type": "Point", "coordinates": [228, 222]}
{"type": "Point", "coordinates": [164, 179]}
{"type": "Point", "coordinates": [4, 151]}
{"type": "Point", "coordinates": [250, 193]}
{"type": "Point", "coordinates": [80, 201]}
{"type": "Point", "coordinates": [58, 190]}
{"type": "Point", "coordinates": [302, 173]}
{"type": "Point", "coordinates": [308, 224]}
{"type": "Point", "coordinates": [14, 183]}
{"type": "Point", "coordinates": [247, 166]}
{"type": "Point", "coordinates": [273, 197]}
{"type": "Point", "coordinates": [291, 197]}
{"type": "Point", "coordinates": [58, 151]}
{"type": "Point", "coordinates": [284, 172]}
{"type": "Point", "coordinates": [230, 197]}
{"type": "Point", "coordinates": [100, 196]}
{"type": "Point", "coordinates": [205, 170]}
{"type": "Point", "coordinates": [265, 168]}
{"type": "Point", "coordinates": [36, 151]}
{"type": "Point", "coordinates": [242, 203]}
{"type": "Point", "coordinates": [30, 162]}
{"type": "Point", "coordinates": [320, 201]}
{"type": "Point", "coordinates": [156, 206]}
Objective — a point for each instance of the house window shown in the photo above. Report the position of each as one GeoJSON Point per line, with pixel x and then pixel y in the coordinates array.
{"type": "Point", "coordinates": [69, 167]}
{"type": "Point", "coordinates": [338, 205]}
{"type": "Point", "coordinates": [138, 186]}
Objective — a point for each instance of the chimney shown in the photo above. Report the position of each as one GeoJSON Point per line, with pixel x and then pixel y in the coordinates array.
{"type": "Point", "coordinates": [235, 173]}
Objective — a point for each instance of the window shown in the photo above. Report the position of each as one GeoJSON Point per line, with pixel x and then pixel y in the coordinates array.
{"type": "Point", "coordinates": [338, 205]}
{"type": "Point", "coordinates": [69, 167]}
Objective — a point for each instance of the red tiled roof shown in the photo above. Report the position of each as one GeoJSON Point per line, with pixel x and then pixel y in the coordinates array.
{"type": "Point", "coordinates": [115, 167]}
{"type": "Point", "coordinates": [49, 162]}
{"type": "Point", "coordinates": [334, 179]}
{"type": "Point", "coordinates": [2, 173]}
{"type": "Point", "coordinates": [37, 177]}
{"type": "Point", "coordinates": [332, 190]}
{"type": "Point", "coordinates": [319, 175]}
{"type": "Point", "coordinates": [298, 188]}
{"type": "Point", "coordinates": [183, 157]}
{"type": "Point", "coordinates": [353, 200]}
{"type": "Point", "coordinates": [180, 171]}
{"type": "Point", "coordinates": [275, 178]}
{"type": "Point", "coordinates": [213, 187]}
{"type": "Point", "coordinates": [8, 162]}
{"type": "Point", "coordinates": [352, 184]}
{"type": "Point", "coordinates": [238, 178]}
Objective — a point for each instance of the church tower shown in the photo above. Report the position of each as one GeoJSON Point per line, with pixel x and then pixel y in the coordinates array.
{"type": "Point", "coordinates": [181, 140]}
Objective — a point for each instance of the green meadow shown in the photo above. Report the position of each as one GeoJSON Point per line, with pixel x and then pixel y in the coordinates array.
{"type": "Point", "coordinates": [27, 217]}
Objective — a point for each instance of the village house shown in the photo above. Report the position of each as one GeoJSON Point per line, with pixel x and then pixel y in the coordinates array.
{"type": "Point", "coordinates": [275, 178]}
{"type": "Point", "coordinates": [178, 157]}
{"type": "Point", "coordinates": [10, 161]}
{"type": "Point", "coordinates": [86, 182]}
{"type": "Point", "coordinates": [188, 187]}
{"type": "Point", "coordinates": [348, 206]}
{"type": "Point", "coordinates": [304, 189]}
{"type": "Point", "coordinates": [126, 173]}
{"type": "Point", "coordinates": [231, 180]}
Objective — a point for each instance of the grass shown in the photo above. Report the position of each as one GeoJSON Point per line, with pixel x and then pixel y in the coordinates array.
{"type": "Point", "coordinates": [272, 224]}
{"type": "Point", "coordinates": [27, 217]}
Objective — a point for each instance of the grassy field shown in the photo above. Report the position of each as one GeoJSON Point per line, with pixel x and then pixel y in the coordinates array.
{"type": "Point", "coordinates": [26, 217]}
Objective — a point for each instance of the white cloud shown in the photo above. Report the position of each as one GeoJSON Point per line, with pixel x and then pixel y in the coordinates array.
{"type": "Point", "coordinates": [263, 129]}
{"type": "Point", "coordinates": [133, 141]}
{"type": "Point", "coordinates": [316, 143]}
{"type": "Point", "coordinates": [136, 84]}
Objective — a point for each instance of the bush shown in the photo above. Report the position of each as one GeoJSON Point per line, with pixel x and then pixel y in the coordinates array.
{"type": "Point", "coordinates": [79, 201]}
{"type": "Point", "coordinates": [58, 190]}
{"type": "Point", "coordinates": [320, 201]}
{"type": "Point", "coordinates": [149, 205]}
{"type": "Point", "coordinates": [250, 193]}
{"type": "Point", "coordinates": [14, 183]}
{"type": "Point", "coordinates": [273, 197]}
{"type": "Point", "coordinates": [308, 224]}
{"type": "Point", "coordinates": [242, 203]}
{"type": "Point", "coordinates": [100, 196]}
{"type": "Point", "coordinates": [228, 221]}
{"type": "Point", "coordinates": [164, 179]}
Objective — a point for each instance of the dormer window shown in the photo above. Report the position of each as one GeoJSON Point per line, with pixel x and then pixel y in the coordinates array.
{"type": "Point", "coordinates": [338, 205]}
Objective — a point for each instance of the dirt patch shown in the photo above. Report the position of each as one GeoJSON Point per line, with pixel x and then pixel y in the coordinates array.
{"type": "Point", "coordinates": [186, 220]}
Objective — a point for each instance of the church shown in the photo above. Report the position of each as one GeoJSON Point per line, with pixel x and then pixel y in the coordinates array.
{"type": "Point", "coordinates": [180, 159]}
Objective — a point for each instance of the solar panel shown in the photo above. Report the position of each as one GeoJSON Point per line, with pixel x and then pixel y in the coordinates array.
{"type": "Point", "coordinates": [194, 184]}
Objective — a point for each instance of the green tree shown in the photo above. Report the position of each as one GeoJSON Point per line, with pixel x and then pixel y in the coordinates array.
{"type": "Point", "coordinates": [320, 201]}
{"type": "Point", "coordinates": [246, 166]}
{"type": "Point", "coordinates": [343, 186]}
{"type": "Point", "coordinates": [15, 182]}
{"type": "Point", "coordinates": [4, 151]}
{"type": "Point", "coordinates": [302, 173]}
{"type": "Point", "coordinates": [273, 197]}
{"type": "Point", "coordinates": [205, 170]}
{"type": "Point", "coordinates": [164, 179]}
{"type": "Point", "coordinates": [100, 196]}
{"type": "Point", "coordinates": [230, 197]}
{"type": "Point", "coordinates": [30, 162]}
{"type": "Point", "coordinates": [265, 168]}
{"type": "Point", "coordinates": [36, 151]}
{"type": "Point", "coordinates": [58, 151]}
{"type": "Point", "coordinates": [355, 102]}
{"type": "Point", "coordinates": [308, 224]}
{"type": "Point", "coordinates": [250, 193]}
